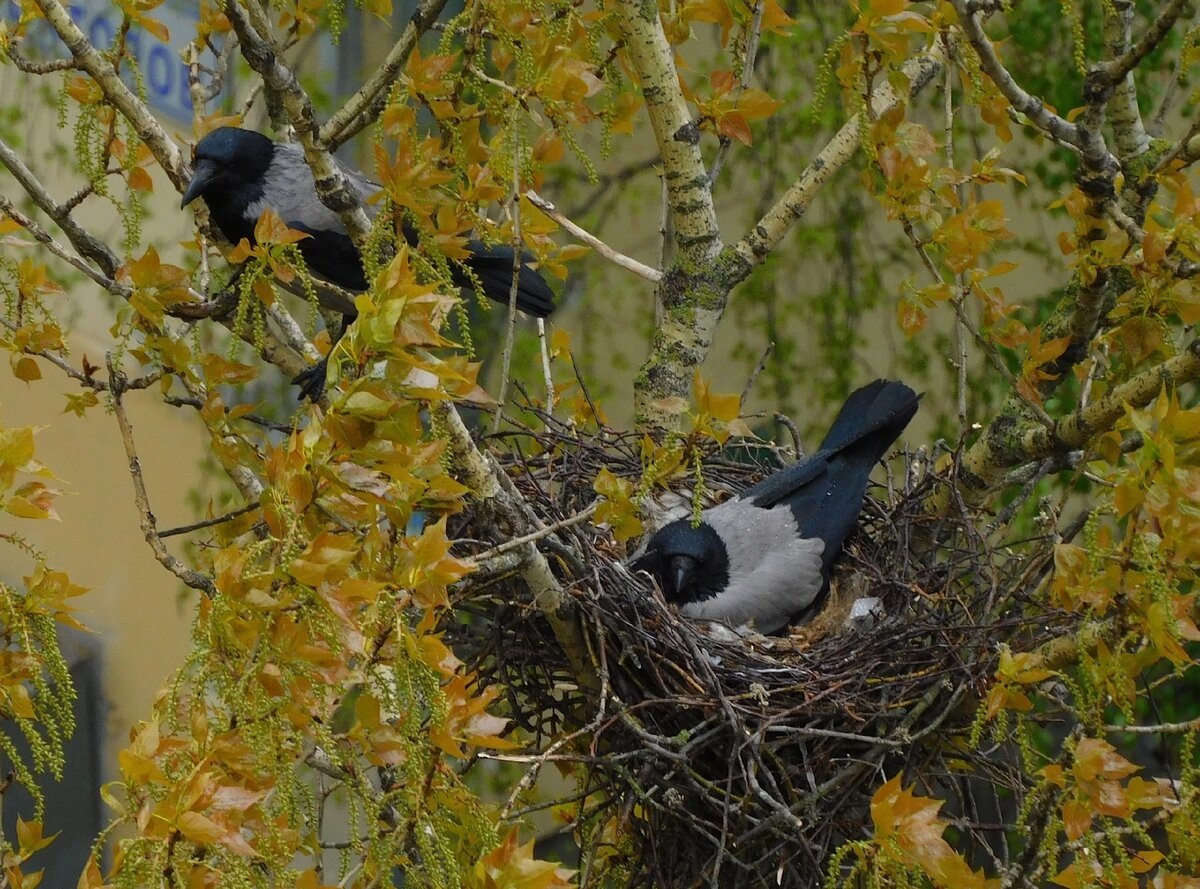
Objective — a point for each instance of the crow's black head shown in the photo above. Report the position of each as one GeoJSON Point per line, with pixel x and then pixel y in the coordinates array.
{"type": "Point", "coordinates": [228, 160]}
{"type": "Point", "coordinates": [690, 564]}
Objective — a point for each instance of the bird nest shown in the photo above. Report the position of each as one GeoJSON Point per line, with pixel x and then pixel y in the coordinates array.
{"type": "Point", "coordinates": [708, 758]}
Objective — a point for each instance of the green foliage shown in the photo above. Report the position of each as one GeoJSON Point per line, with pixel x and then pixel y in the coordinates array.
{"type": "Point", "coordinates": [36, 692]}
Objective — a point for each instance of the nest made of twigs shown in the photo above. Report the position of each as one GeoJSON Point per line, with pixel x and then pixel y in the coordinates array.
{"type": "Point", "coordinates": [747, 760]}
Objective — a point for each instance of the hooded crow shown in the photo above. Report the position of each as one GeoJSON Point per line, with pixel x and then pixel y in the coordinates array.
{"type": "Point", "coordinates": [764, 557]}
{"type": "Point", "coordinates": [241, 173]}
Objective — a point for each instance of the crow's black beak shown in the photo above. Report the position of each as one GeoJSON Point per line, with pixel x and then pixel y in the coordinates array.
{"type": "Point", "coordinates": [683, 568]}
{"type": "Point", "coordinates": [206, 171]}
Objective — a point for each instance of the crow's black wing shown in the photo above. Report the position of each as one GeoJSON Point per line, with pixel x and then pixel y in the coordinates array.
{"type": "Point", "coordinates": [825, 491]}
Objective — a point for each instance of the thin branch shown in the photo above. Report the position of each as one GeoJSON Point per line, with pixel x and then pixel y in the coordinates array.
{"type": "Point", "coordinates": [101, 70]}
{"type": "Point", "coordinates": [753, 33]}
{"type": "Point", "coordinates": [758, 369]}
{"type": "Point", "coordinates": [1166, 727]}
{"type": "Point", "coordinates": [1180, 268]}
{"type": "Point", "coordinates": [765, 234]}
{"type": "Point", "coordinates": [83, 379]}
{"type": "Point", "coordinates": [368, 102]}
{"type": "Point", "coordinates": [1032, 107]}
{"type": "Point", "coordinates": [83, 241]}
{"type": "Point", "coordinates": [208, 523]}
{"type": "Point", "coordinates": [146, 520]}
{"type": "Point", "coordinates": [29, 66]}
{"type": "Point", "coordinates": [1116, 69]}
{"type": "Point", "coordinates": [959, 298]}
{"type": "Point", "coordinates": [256, 419]}
{"type": "Point", "coordinates": [585, 237]}
{"type": "Point", "coordinates": [548, 375]}
{"type": "Point", "coordinates": [69, 256]}
{"type": "Point", "coordinates": [790, 425]}
{"type": "Point", "coordinates": [533, 536]}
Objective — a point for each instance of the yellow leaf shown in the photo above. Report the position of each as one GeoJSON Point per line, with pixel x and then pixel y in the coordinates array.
{"type": "Point", "coordinates": [29, 837]}
{"type": "Point", "coordinates": [26, 369]}
{"type": "Point", "coordinates": [513, 866]}
{"type": "Point", "coordinates": [913, 823]}
{"type": "Point", "coordinates": [200, 829]}
{"type": "Point", "coordinates": [270, 229]}
{"type": "Point", "coordinates": [755, 104]}
{"type": "Point", "coordinates": [910, 317]}
{"type": "Point", "coordinates": [1077, 818]}
{"type": "Point", "coordinates": [155, 27]}
{"type": "Point", "coordinates": [140, 180]}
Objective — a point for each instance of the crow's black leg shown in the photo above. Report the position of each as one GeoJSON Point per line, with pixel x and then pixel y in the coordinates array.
{"type": "Point", "coordinates": [312, 380]}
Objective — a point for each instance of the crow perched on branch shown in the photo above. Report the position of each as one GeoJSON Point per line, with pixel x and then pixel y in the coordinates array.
{"type": "Point", "coordinates": [241, 173]}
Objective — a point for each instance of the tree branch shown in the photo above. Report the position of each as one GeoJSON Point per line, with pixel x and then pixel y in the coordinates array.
{"type": "Point", "coordinates": [1033, 108]}
{"type": "Point", "coordinates": [586, 237]}
{"type": "Point", "coordinates": [487, 488]}
{"type": "Point", "coordinates": [83, 241]}
{"type": "Point", "coordinates": [534, 536]}
{"type": "Point", "coordinates": [770, 229]}
{"type": "Point", "coordinates": [1079, 316]}
{"type": "Point", "coordinates": [1008, 442]}
{"type": "Point", "coordinates": [362, 108]}
{"type": "Point", "coordinates": [101, 70]}
{"type": "Point", "coordinates": [146, 520]}
{"type": "Point", "coordinates": [695, 219]}
{"type": "Point", "coordinates": [68, 256]}
{"type": "Point", "coordinates": [1128, 130]}
{"type": "Point", "coordinates": [753, 33]}
{"type": "Point", "coordinates": [1116, 69]}
{"type": "Point", "coordinates": [334, 191]}
{"type": "Point", "coordinates": [208, 523]}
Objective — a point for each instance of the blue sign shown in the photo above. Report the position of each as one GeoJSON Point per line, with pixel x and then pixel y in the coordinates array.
{"type": "Point", "coordinates": [164, 73]}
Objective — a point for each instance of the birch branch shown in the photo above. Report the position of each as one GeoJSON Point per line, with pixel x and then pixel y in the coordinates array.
{"type": "Point", "coordinates": [769, 231]}
{"type": "Point", "coordinates": [678, 137]}
{"type": "Point", "coordinates": [1129, 132]}
{"type": "Point", "coordinates": [695, 288]}
{"type": "Point", "coordinates": [483, 479]}
{"type": "Point", "coordinates": [1116, 69]}
{"type": "Point", "coordinates": [585, 237]}
{"type": "Point", "coordinates": [101, 70]}
{"type": "Point", "coordinates": [690, 299]}
{"type": "Point", "coordinates": [1009, 442]}
{"type": "Point", "coordinates": [362, 108]}
{"type": "Point", "coordinates": [253, 32]}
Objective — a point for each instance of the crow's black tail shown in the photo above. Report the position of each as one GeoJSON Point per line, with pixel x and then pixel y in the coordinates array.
{"type": "Point", "coordinates": [868, 423]}
{"type": "Point", "coordinates": [878, 411]}
{"type": "Point", "coordinates": [493, 266]}
{"type": "Point", "coordinates": [825, 491]}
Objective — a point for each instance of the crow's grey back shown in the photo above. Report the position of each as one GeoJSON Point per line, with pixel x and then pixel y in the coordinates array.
{"type": "Point", "coordinates": [290, 190]}
{"type": "Point", "coordinates": [774, 573]}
